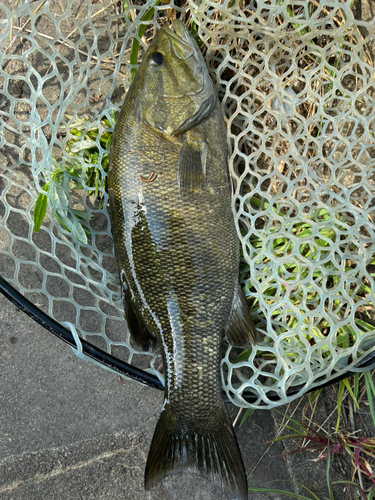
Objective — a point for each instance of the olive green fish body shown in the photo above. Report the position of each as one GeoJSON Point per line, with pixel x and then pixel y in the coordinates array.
{"type": "Point", "coordinates": [177, 251]}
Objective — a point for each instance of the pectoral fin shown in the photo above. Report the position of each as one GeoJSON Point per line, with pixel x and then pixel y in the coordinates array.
{"type": "Point", "coordinates": [138, 331]}
{"type": "Point", "coordinates": [240, 329]}
{"type": "Point", "coordinates": [192, 165]}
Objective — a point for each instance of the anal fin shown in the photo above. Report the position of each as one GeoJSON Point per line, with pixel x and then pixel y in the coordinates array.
{"type": "Point", "coordinates": [240, 329]}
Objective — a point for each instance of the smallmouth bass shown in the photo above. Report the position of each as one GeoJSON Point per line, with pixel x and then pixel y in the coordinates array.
{"type": "Point", "coordinates": [177, 251]}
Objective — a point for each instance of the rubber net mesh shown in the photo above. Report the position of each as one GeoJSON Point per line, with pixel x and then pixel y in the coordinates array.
{"type": "Point", "coordinates": [296, 80]}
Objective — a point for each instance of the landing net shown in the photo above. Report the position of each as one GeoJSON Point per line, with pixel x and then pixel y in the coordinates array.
{"type": "Point", "coordinates": [296, 81]}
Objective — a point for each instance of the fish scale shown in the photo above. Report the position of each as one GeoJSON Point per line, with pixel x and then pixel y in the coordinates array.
{"type": "Point", "coordinates": [177, 252]}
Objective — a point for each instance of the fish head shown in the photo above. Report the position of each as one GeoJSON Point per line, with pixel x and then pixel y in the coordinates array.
{"type": "Point", "coordinates": [174, 88]}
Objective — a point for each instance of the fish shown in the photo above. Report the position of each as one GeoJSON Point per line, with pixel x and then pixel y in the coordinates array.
{"type": "Point", "coordinates": [177, 251]}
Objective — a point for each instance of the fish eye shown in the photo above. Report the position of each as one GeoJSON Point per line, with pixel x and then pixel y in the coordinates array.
{"type": "Point", "coordinates": [155, 60]}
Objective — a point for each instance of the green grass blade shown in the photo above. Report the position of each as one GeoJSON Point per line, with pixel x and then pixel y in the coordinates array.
{"type": "Point", "coordinates": [370, 389]}
{"type": "Point", "coordinates": [328, 464]}
{"type": "Point", "coordinates": [40, 208]}
{"type": "Point", "coordinates": [347, 385]}
{"type": "Point", "coordinates": [356, 385]}
{"type": "Point", "coordinates": [340, 392]}
{"type": "Point", "coordinates": [248, 412]}
{"type": "Point", "coordinates": [75, 229]}
{"type": "Point", "coordinates": [291, 436]}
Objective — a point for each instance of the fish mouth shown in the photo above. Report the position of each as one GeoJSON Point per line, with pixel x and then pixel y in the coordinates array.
{"type": "Point", "coordinates": [181, 41]}
{"type": "Point", "coordinates": [178, 29]}
{"type": "Point", "coordinates": [183, 46]}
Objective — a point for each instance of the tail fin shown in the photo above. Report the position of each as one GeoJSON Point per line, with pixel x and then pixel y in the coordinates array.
{"type": "Point", "coordinates": [213, 455]}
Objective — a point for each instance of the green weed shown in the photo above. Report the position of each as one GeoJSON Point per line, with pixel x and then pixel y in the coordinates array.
{"type": "Point", "coordinates": [86, 160]}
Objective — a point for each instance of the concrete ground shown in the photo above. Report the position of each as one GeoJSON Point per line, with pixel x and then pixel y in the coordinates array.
{"type": "Point", "coordinates": [70, 430]}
